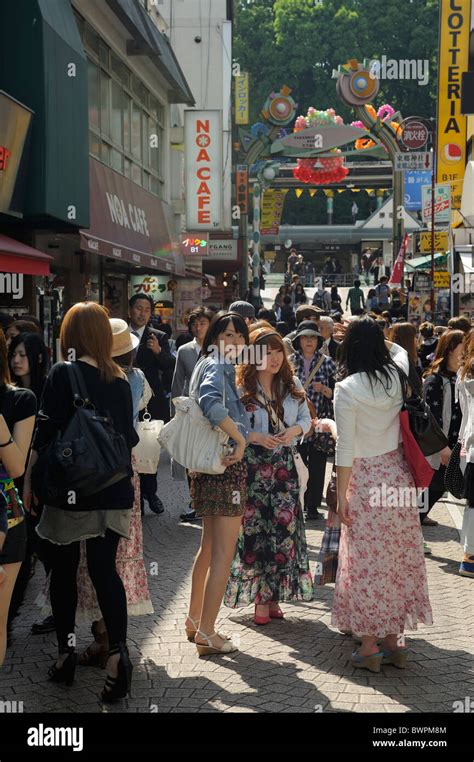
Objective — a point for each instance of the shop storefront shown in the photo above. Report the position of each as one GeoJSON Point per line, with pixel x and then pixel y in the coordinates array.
{"type": "Point", "coordinates": [131, 241]}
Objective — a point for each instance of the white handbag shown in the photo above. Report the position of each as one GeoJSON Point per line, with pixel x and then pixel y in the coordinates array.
{"type": "Point", "coordinates": [303, 474]}
{"type": "Point", "coordinates": [147, 451]}
{"type": "Point", "coordinates": [192, 441]}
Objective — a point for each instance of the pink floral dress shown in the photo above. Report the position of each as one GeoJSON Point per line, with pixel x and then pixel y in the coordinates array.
{"type": "Point", "coordinates": [381, 585]}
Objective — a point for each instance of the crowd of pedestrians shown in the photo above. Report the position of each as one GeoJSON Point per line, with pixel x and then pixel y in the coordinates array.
{"type": "Point", "coordinates": [311, 390]}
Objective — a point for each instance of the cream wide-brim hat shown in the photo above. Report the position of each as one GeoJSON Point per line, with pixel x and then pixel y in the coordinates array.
{"type": "Point", "coordinates": [123, 340]}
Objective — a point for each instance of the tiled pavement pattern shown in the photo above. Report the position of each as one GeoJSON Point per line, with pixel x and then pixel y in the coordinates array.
{"type": "Point", "coordinates": [299, 664]}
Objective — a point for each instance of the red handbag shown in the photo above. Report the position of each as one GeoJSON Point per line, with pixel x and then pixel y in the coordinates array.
{"type": "Point", "coordinates": [420, 468]}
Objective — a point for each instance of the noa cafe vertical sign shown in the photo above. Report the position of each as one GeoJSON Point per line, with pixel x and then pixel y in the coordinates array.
{"type": "Point", "coordinates": [203, 162]}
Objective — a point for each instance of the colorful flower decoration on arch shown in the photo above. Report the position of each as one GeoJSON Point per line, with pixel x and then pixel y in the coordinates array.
{"type": "Point", "coordinates": [384, 113]}
{"type": "Point", "coordinates": [320, 171]}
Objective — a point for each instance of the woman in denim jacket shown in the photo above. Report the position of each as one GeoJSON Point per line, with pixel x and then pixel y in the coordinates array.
{"type": "Point", "coordinates": [218, 499]}
{"type": "Point", "coordinates": [271, 563]}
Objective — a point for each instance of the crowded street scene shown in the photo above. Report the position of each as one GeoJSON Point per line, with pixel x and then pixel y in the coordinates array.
{"type": "Point", "coordinates": [237, 372]}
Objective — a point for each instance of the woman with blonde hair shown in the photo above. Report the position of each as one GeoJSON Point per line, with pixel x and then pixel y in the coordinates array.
{"type": "Point", "coordinates": [271, 563]}
{"type": "Point", "coordinates": [104, 517]}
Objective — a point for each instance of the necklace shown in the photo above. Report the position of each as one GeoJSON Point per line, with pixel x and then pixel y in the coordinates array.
{"type": "Point", "coordinates": [273, 419]}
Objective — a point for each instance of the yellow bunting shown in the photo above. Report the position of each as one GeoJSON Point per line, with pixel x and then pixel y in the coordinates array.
{"type": "Point", "coordinates": [312, 192]}
{"type": "Point", "coordinates": [298, 192]}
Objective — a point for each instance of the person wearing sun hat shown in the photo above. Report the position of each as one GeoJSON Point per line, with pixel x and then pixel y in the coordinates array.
{"type": "Point", "coordinates": [317, 373]}
{"type": "Point", "coordinates": [129, 561]}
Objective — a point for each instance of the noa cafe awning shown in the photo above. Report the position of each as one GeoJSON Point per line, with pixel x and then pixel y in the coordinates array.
{"type": "Point", "coordinates": [17, 257]}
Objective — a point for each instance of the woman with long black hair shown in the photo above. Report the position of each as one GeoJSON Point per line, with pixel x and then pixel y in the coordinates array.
{"type": "Point", "coordinates": [381, 584]}
{"type": "Point", "coordinates": [219, 499]}
{"type": "Point", "coordinates": [17, 418]}
{"type": "Point", "coordinates": [105, 516]}
{"type": "Point", "coordinates": [29, 364]}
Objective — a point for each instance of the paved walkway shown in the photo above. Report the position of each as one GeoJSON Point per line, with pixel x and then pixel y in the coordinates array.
{"type": "Point", "coordinates": [300, 664]}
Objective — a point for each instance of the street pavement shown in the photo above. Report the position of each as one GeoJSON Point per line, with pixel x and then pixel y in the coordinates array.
{"type": "Point", "coordinates": [301, 664]}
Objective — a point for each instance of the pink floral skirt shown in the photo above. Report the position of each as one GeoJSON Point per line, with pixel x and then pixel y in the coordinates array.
{"type": "Point", "coordinates": [381, 585]}
{"type": "Point", "coordinates": [130, 566]}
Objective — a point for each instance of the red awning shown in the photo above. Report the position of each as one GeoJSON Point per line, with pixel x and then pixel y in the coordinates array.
{"type": "Point", "coordinates": [17, 257]}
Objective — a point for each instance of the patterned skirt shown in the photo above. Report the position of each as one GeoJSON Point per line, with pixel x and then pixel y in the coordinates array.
{"type": "Point", "coordinates": [271, 561]}
{"type": "Point", "coordinates": [219, 494]}
{"type": "Point", "coordinates": [381, 586]}
{"type": "Point", "coordinates": [130, 566]}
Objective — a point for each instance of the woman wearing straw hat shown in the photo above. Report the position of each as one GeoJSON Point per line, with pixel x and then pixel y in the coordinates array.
{"type": "Point", "coordinates": [129, 563]}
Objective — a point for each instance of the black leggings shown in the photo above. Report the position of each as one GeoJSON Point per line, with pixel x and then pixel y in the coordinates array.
{"type": "Point", "coordinates": [64, 562]}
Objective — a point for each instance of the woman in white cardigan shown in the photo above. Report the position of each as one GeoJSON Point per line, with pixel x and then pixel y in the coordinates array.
{"type": "Point", "coordinates": [381, 584]}
{"type": "Point", "coordinates": [465, 389]}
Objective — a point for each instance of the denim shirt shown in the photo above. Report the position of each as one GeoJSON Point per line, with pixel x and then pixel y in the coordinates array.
{"type": "Point", "coordinates": [295, 413]}
{"type": "Point", "coordinates": [206, 386]}
{"type": "Point", "coordinates": [136, 379]}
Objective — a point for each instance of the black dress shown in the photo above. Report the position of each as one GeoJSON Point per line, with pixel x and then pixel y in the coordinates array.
{"type": "Point", "coordinates": [16, 405]}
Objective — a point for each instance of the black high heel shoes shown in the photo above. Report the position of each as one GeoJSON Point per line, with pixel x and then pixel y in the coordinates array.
{"type": "Point", "coordinates": [64, 673]}
{"type": "Point", "coordinates": [118, 687]}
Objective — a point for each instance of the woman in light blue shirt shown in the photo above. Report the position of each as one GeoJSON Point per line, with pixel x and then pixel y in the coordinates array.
{"type": "Point", "coordinates": [218, 499]}
{"type": "Point", "coordinates": [271, 563]}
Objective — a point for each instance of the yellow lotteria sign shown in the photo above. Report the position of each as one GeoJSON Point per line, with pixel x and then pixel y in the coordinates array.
{"type": "Point", "coordinates": [451, 128]}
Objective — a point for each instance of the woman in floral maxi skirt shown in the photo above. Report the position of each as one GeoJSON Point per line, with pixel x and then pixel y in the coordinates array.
{"type": "Point", "coordinates": [381, 587]}
{"type": "Point", "coordinates": [271, 562]}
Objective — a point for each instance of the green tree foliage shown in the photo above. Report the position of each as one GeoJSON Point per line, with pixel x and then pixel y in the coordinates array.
{"type": "Point", "coordinates": [300, 42]}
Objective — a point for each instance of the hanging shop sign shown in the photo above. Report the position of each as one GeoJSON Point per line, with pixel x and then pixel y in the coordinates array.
{"type": "Point", "coordinates": [442, 203]}
{"type": "Point", "coordinates": [453, 60]}
{"type": "Point", "coordinates": [242, 187]}
{"type": "Point", "coordinates": [412, 189]}
{"type": "Point", "coordinates": [441, 279]}
{"type": "Point", "coordinates": [242, 98]}
{"type": "Point", "coordinates": [194, 244]}
{"type": "Point", "coordinates": [440, 241]}
{"type": "Point", "coordinates": [14, 126]}
{"type": "Point", "coordinates": [272, 209]}
{"type": "Point", "coordinates": [155, 286]}
{"type": "Point", "coordinates": [203, 169]}
{"type": "Point", "coordinates": [224, 249]}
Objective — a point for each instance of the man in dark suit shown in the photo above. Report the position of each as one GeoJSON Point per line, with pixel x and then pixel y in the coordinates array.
{"type": "Point", "coordinates": [154, 358]}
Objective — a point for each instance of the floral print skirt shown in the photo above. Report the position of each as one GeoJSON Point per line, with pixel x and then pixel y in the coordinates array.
{"type": "Point", "coordinates": [130, 566]}
{"type": "Point", "coordinates": [381, 586]}
{"type": "Point", "coordinates": [271, 560]}
{"type": "Point", "coordinates": [219, 494]}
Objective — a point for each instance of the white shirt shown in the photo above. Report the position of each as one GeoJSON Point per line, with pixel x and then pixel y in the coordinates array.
{"type": "Point", "coordinates": [465, 395]}
{"type": "Point", "coordinates": [138, 331]}
{"type": "Point", "coordinates": [367, 419]}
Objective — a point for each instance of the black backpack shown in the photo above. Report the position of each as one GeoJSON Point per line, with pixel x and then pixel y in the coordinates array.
{"type": "Point", "coordinates": [84, 459]}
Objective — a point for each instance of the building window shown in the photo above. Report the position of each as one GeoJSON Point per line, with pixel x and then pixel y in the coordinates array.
{"type": "Point", "coordinates": [126, 121]}
{"type": "Point", "coordinates": [94, 99]}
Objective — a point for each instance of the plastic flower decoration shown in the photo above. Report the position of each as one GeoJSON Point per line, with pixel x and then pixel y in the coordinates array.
{"type": "Point", "coordinates": [384, 113]}
{"type": "Point", "coordinates": [320, 171]}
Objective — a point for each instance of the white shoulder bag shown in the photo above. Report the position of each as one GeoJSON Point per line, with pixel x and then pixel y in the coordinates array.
{"type": "Point", "coordinates": [191, 440]}
{"type": "Point", "coordinates": [147, 451]}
